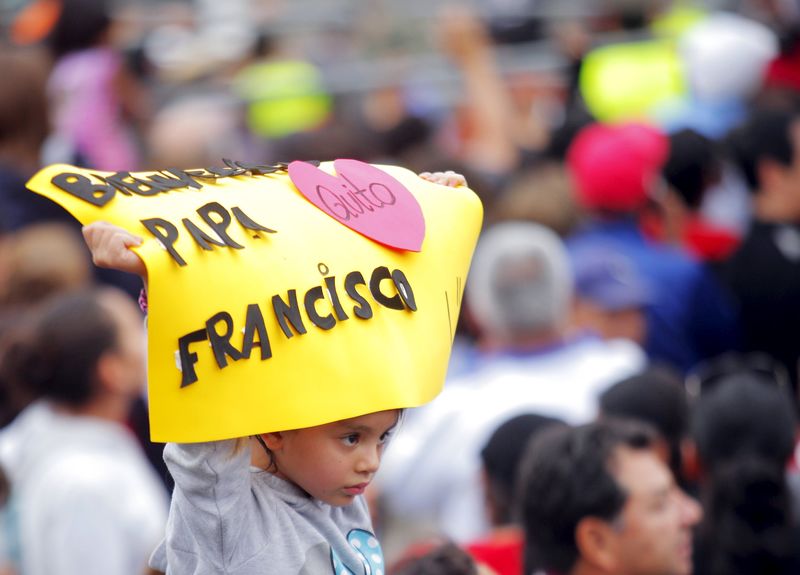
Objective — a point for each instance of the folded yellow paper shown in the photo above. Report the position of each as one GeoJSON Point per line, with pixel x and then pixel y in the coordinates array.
{"type": "Point", "coordinates": [270, 312]}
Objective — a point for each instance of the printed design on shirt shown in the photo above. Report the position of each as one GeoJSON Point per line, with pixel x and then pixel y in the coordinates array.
{"type": "Point", "coordinates": [368, 550]}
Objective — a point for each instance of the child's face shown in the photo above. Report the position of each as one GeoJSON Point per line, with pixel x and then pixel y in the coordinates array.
{"type": "Point", "coordinates": [336, 461]}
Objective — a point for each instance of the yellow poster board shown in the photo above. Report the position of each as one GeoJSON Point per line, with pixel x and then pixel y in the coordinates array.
{"type": "Point", "coordinates": [265, 312]}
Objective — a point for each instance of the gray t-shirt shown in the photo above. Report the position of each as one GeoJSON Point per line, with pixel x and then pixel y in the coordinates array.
{"type": "Point", "coordinates": [227, 517]}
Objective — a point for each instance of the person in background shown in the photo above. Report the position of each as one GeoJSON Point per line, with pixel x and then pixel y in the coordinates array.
{"type": "Point", "coordinates": [87, 500]}
{"type": "Point", "coordinates": [598, 500]}
{"type": "Point", "coordinates": [95, 100]}
{"type": "Point", "coordinates": [445, 558]}
{"type": "Point", "coordinates": [615, 170]}
{"type": "Point", "coordinates": [502, 548]}
{"type": "Point", "coordinates": [744, 428]}
{"type": "Point", "coordinates": [657, 397]}
{"type": "Point", "coordinates": [693, 172]}
{"type": "Point", "coordinates": [24, 123]}
{"type": "Point", "coordinates": [764, 272]}
{"type": "Point", "coordinates": [610, 299]}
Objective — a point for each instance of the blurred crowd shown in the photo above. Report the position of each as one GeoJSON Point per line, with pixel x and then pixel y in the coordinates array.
{"type": "Point", "coordinates": [622, 395]}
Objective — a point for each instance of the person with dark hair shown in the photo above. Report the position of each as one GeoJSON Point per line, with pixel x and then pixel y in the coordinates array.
{"type": "Point", "coordinates": [23, 129]}
{"type": "Point", "coordinates": [692, 172]}
{"type": "Point", "coordinates": [744, 429]}
{"type": "Point", "coordinates": [87, 500]}
{"type": "Point", "coordinates": [441, 559]}
{"type": "Point", "coordinates": [500, 457]}
{"type": "Point", "coordinates": [597, 499]}
{"type": "Point", "coordinates": [93, 95]}
{"type": "Point", "coordinates": [616, 171]}
{"type": "Point", "coordinates": [81, 24]}
{"type": "Point", "coordinates": [656, 397]}
{"type": "Point", "coordinates": [764, 272]}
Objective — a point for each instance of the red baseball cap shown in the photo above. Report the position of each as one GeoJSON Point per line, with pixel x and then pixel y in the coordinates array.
{"type": "Point", "coordinates": [613, 166]}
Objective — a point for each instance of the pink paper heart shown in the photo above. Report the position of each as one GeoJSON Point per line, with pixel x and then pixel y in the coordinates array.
{"type": "Point", "coordinates": [365, 199]}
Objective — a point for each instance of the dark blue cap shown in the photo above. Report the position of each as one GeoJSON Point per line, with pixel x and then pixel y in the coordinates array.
{"type": "Point", "coordinates": [609, 280]}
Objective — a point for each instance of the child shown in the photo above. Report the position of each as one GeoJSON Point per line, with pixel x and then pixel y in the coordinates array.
{"type": "Point", "coordinates": [298, 509]}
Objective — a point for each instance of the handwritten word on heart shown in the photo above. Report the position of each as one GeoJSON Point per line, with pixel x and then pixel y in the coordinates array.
{"type": "Point", "coordinates": [365, 199]}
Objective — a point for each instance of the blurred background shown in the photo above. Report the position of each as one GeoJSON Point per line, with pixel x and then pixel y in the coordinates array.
{"type": "Point", "coordinates": [638, 164]}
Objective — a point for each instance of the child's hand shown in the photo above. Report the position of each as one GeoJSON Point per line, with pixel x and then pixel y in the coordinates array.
{"type": "Point", "coordinates": [448, 178]}
{"type": "Point", "coordinates": [109, 246]}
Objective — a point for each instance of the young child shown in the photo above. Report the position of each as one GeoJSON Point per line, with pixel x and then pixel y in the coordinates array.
{"type": "Point", "coordinates": [282, 502]}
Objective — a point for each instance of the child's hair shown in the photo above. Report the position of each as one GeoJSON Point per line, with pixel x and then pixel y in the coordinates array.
{"type": "Point", "coordinates": [271, 466]}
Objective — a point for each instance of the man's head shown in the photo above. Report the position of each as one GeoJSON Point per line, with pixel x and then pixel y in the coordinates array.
{"type": "Point", "coordinates": [657, 397]}
{"type": "Point", "coordinates": [610, 297]}
{"type": "Point", "coordinates": [501, 458]}
{"type": "Point", "coordinates": [597, 499]}
{"type": "Point", "coordinates": [520, 284]}
{"type": "Point", "coordinates": [766, 151]}
{"type": "Point", "coordinates": [84, 351]}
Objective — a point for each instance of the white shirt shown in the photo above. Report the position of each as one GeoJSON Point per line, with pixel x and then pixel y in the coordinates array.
{"type": "Point", "coordinates": [87, 500]}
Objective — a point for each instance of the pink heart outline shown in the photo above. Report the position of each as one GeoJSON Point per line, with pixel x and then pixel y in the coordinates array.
{"type": "Point", "coordinates": [365, 199]}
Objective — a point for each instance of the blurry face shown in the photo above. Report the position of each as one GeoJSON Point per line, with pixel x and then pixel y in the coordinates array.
{"type": "Point", "coordinates": [333, 462]}
{"type": "Point", "coordinates": [780, 196]}
{"type": "Point", "coordinates": [627, 323]}
{"type": "Point", "coordinates": [654, 535]}
{"type": "Point", "coordinates": [131, 346]}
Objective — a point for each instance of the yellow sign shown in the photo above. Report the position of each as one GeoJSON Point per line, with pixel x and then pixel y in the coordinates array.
{"type": "Point", "coordinates": [274, 308]}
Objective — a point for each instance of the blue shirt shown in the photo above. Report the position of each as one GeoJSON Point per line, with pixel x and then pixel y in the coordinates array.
{"type": "Point", "coordinates": [691, 317]}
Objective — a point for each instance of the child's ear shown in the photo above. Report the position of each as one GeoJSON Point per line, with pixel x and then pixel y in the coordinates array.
{"type": "Point", "coordinates": [273, 440]}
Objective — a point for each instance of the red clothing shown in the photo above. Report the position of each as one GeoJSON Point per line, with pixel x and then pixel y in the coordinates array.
{"type": "Point", "coordinates": [709, 242]}
{"type": "Point", "coordinates": [502, 551]}
{"type": "Point", "coordinates": [706, 241]}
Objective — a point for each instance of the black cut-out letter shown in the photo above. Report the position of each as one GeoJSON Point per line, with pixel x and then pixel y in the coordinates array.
{"type": "Point", "coordinates": [219, 227]}
{"type": "Point", "coordinates": [363, 310]}
{"type": "Point", "coordinates": [322, 321]}
{"type": "Point", "coordinates": [166, 233]}
{"type": "Point", "coordinates": [290, 311]}
{"type": "Point", "coordinates": [174, 179]}
{"type": "Point", "coordinates": [189, 358]}
{"type": "Point", "coordinates": [127, 184]}
{"type": "Point", "coordinates": [330, 282]}
{"type": "Point", "coordinates": [254, 324]}
{"type": "Point", "coordinates": [82, 187]}
{"type": "Point", "coordinates": [221, 342]}
{"type": "Point", "coordinates": [378, 275]}
{"type": "Point", "coordinates": [202, 238]}
{"type": "Point", "coordinates": [248, 222]}
{"type": "Point", "coordinates": [227, 172]}
{"type": "Point", "coordinates": [404, 289]}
